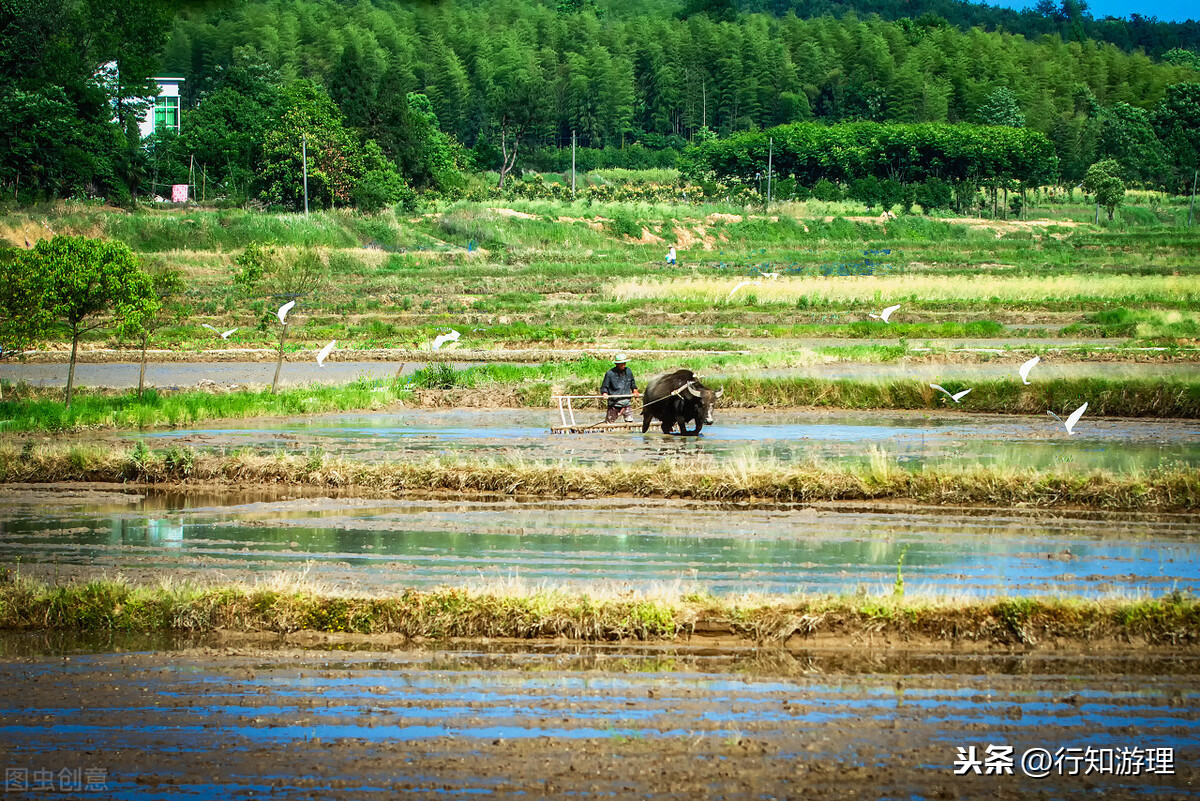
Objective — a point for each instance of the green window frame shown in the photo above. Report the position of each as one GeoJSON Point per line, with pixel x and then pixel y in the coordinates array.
{"type": "Point", "coordinates": [166, 113]}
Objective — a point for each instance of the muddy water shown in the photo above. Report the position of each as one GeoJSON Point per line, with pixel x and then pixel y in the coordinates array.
{"type": "Point", "coordinates": [372, 545]}
{"type": "Point", "coordinates": [909, 438]}
{"type": "Point", "coordinates": [592, 722]}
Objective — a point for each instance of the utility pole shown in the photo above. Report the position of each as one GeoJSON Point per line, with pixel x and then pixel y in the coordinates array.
{"type": "Point", "coordinates": [770, 152]}
{"type": "Point", "coordinates": [304, 157]}
{"type": "Point", "coordinates": [572, 165]}
{"type": "Point", "coordinates": [1192, 206]}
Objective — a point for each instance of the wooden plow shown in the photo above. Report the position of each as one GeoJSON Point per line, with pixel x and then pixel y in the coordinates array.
{"type": "Point", "coordinates": [569, 425]}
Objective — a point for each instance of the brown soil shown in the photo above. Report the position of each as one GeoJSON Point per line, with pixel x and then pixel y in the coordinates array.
{"type": "Point", "coordinates": [520, 215]}
{"type": "Point", "coordinates": [248, 722]}
{"type": "Point", "coordinates": [648, 237]}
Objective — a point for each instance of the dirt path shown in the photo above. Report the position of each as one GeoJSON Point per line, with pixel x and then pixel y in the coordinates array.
{"type": "Point", "coordinates": [589, 722]}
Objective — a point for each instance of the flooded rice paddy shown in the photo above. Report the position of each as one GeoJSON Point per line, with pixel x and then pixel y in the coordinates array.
{"type": "Point", "coordinates": [590, 722]}
{"type": "Point", "coordinates": [908, 438]}
{"type": "Point", "coordinates": [259, 717]}
{"type": "Point", "coordinates": [623, 544]}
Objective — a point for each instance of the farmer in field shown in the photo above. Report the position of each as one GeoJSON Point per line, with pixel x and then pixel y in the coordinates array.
{"type": "Point", "coordinates": [619, 381]}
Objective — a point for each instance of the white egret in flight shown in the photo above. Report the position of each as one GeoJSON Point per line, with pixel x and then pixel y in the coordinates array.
{"type": "Point", "coordinates": [1027, 366]}
{"type": "Point", "coordinates": [886, 313]}
{"type": "Point", "coordinates": [283, 310]}
{"type": "Point", "coordinates": [221, 334]}
{"type": "Point", "coordinates": [739, 286]}
{"type": "Point", "coordinates": [324, 354]}
{"type": "Point", "coordinates": [442, 339]}
{"type": "Point", "coordinates": [1070, 422]}
{"type": "Point", "coordinates": [956, 397]}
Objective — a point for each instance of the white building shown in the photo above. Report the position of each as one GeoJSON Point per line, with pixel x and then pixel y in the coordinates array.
{"type": "Point", "coordinates": [164, 113]}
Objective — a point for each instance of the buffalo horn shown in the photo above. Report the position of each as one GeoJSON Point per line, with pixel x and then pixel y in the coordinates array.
{"type": "Point", "coordinates": [693, 390]}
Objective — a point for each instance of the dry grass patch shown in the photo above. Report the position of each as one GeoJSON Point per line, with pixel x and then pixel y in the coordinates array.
{"type": "Point", "coordinates": [918, 289]}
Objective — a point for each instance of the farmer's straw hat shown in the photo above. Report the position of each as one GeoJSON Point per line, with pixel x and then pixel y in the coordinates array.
{"type": "Point", "coordinates": [621, 359]}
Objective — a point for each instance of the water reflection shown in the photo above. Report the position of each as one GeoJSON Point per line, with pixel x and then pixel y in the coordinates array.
{"type": "Point", "coordinates": [909, 439]}
{"type": "Point", "coordinates": [632, 545]}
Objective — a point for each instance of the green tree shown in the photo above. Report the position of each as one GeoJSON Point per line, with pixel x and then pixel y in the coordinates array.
{"type": "Point", "coordinates": [515, 90]}
{"type": "Point", "coordinates": [57, 105]}
{"type": "Point", "coordinates": [716, 10]}
{"type": "Point", "coordinates": [1103, 180]}
{"type": "Point", "coordinates": [427, 157]}
{"type": "Point", "coordinates": [168, 286]}
{"type": "Point", "coordinates": [1177, 123]}
{"type": "Point", "coordinates": [351, 87]}
{"type": "Point", "coordinates": [22, 314]}
{"type": "Point", "coordinates": [1182, 58]}
{"type": "Point", "coordinates": [225, 132]}
{"type": "Point", "coordinates": [1002, 109]}
{"type": "Point", "coordinates": [1127, 137]}
{"type": "Point", "coordinates": [338, 161]}
{"type": "Point", "coordinates": [80, 285]}
{"type": "Point", "coordinates": [281, 277]}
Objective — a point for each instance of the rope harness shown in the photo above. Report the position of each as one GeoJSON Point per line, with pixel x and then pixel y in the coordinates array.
{"type": "Point", "coordinates": [644, 405]}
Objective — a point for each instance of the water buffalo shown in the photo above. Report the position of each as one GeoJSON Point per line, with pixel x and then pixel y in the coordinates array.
{"type": "Point", "coordinates": [677, 398]}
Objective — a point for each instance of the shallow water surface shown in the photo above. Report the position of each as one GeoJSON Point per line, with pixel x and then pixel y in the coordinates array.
{"type": "Point", "coordinates": [908, 438]}
{"type": "Point", "coordinates": [380, 545]}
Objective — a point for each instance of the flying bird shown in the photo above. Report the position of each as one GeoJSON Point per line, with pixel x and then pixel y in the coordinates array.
{"type": "Point", "coordinates": [885, 314]}
{"type": "Point", "coordinates": [1070, 422]}
{"type": "Point", "coordinates": [324, 354]}
{"type": "Point", "coordinates": [221, 334]}
{"type": "Point", "coordinates": [954, 397]}
{"type": "Point", "coordinates": [739, 286]}
{"type": "Point", "coordinates": [1027, 366]}
{"type": "Point", "coordinates": [283, 310]}
{"type": "Point", "coordinates": [442, 339]}
{"type": "Point", "coordinates": [772, 276]}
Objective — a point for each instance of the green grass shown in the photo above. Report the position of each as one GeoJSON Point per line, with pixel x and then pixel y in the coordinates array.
{"type": "Point", "coordinates": [1144, 324]}
{"type": "Point", "coordinates": [29, 410]}
{"type": "Point", "coordinates": [556, 273]}
{"type": "Point", "coordinates": [107, 606]}
{"type": "Point", "coordinates": [42, 410]}
{"type": "Point", "coordinates": [748, 479]}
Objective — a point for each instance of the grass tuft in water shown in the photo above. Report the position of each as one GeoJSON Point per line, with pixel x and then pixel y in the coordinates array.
{"type": "Point", "coordinates": [455, 612]}
{"type": "Point", "coordinates": [745, 479]}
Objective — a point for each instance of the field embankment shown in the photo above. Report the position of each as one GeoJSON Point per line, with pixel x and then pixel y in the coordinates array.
{"type": "Point", "coordinates": [555, 614]}
{"type": "Point", "coordinates": [749, 479]}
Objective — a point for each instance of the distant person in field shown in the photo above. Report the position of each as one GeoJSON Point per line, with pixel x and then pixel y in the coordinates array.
{"type": "Point", "coordinates": [619, 381]}
{"type": "Point", "coordinates": [671, 256]}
